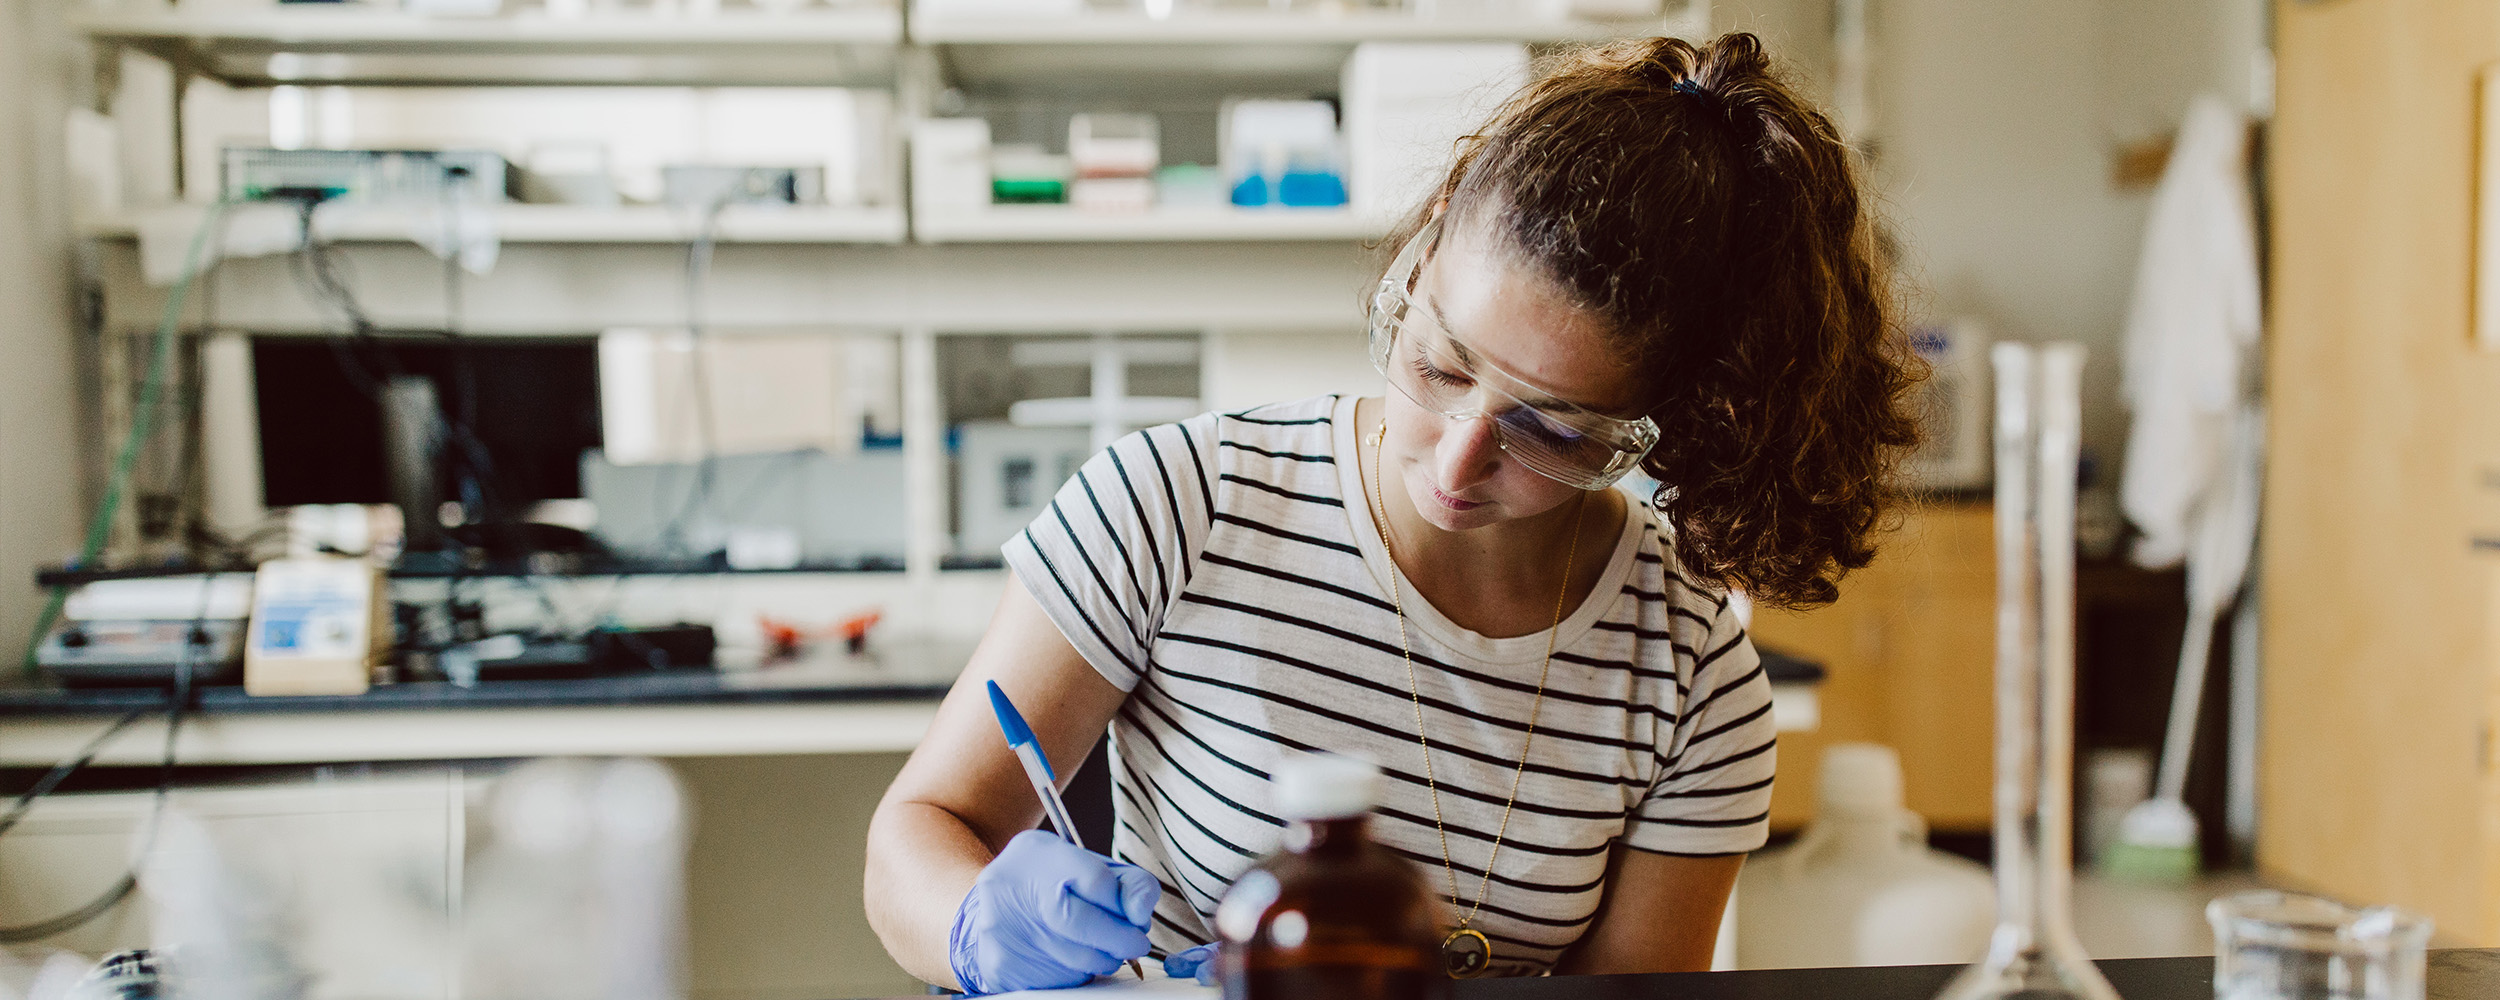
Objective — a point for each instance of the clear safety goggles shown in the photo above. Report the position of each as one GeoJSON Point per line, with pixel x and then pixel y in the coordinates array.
{"type": "Point", "coordinates": [1557, 438]}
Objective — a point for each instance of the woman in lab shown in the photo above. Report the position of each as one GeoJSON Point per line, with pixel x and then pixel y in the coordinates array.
{"type": "Point", "coordinates": [1656, 257]}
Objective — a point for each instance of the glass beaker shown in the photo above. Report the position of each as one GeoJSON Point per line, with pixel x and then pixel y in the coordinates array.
{"type": "Point", "coordinates": [2286, 946]}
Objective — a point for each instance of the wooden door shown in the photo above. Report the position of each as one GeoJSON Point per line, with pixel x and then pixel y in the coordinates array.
{"type": "Point", "coordinates": [2375, 757]}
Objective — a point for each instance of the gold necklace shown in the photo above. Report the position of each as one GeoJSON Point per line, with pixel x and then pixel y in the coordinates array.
{"type": "Point", "coordinates": [1465, 951]}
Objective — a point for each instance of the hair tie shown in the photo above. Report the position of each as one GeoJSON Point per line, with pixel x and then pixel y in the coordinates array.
{"type": "Point", "coordinates": [1709, 100]}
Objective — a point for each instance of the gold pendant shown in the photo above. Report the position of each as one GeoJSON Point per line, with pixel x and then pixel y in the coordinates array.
{"type": "Point", "coordinates": [1465, 954]}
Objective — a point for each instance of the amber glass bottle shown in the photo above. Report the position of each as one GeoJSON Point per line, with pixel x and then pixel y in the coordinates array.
{"type": "Point", "coordinates": [1331, 916]}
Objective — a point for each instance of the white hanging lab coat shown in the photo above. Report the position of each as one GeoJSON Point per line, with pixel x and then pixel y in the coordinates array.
{"type": "Point", "coordinates": [2191, 347]}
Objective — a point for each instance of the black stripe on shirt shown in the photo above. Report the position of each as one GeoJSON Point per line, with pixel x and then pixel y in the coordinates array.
{"type": "Point", "coordinates": [1232, 518]}
{"type": "Point", "coordinates": [1725, 761]}
{"type": "Point", "coordinates": [1476, 676]}
{"type": "Point", "coordinates": [1288, 455]}
{"type": "Point", "coordinates": [1706, 824]}
{"type": "Point", "coordinates": [1079, 606]}
{"type": "Point", "coordinates": [1145, 530]}
{"type": "Point", "coordinates": [1273, 573]}
{"type": "Point", "coordinates": [1155, 686]}
{"type": "Point", "coordinates": [1138, 806]}
{"type": "Point", "coordinates": [1729, 725]}
{"type": "Point", "coordinates": [1280, 491]}
{"type": "Point", "coordinates": [1417, 780]}
{"type": "Point", "coordinates": [1242, 416]}
{"type": "Point", "coordinates": [1699, 706]}
{"type": "Point", "coordinates": [1172, 496]}
{"type": "Point", "coordinates": [1127, 562]}
{"type": "Point", "coordinates": [1635, 669]}
{"type": "Point", "coordinates": [1714, 793]}
{"type": "Point", "coordinates": [1206, 489]}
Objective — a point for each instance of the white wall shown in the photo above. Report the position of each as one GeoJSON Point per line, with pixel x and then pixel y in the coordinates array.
{"type": "Point", "coordinates": [1997, 126]}
{"type": "Point", "coordinates": [39, 474]}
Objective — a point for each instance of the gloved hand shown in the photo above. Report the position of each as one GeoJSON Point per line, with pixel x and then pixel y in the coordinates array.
{"type": "Point", "coordinates": [1198, 962]}
{"type": "Point", "coordinates": [1046, 914]}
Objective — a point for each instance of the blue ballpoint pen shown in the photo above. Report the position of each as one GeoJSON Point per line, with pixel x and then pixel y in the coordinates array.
{"type": "Point", "coordinates": [1028, 751]}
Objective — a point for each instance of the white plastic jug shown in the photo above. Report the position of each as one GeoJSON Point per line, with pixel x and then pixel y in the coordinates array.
{"type": "Point", "coordinates": [1860, 886]}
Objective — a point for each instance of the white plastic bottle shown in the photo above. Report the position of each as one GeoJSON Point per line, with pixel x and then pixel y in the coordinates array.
{"type": "Point", "coordinates": [1860, 886]}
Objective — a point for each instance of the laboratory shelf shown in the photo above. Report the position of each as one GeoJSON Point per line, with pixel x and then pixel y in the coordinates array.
{"type": "Point", "coordinates": [1236, 28]}
{"type": "Point", "coordinates": [420, 568]}
{"type": "Point", "coordinates": [258, 48]}
{"type": "Point", "coordinates": [1064, 224]}
{"type": "Point", "coordinates": [1225, 51]}
{"type": "Point", "coordinates": [556, 224]}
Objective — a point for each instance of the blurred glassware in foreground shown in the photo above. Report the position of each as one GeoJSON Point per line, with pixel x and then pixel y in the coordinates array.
{"type": "Point", "coordinates": [2034, 954]}
{"type": "Point", "coordinates": [2284, 946]}
{"type": "Point", "coordinates": [577, 890]}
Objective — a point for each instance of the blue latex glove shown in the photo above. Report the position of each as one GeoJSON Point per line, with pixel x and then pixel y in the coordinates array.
{"type": "Point", "coordinates": [1197, 963]}
{"type": "Point", "coordinates": [1047, 914]}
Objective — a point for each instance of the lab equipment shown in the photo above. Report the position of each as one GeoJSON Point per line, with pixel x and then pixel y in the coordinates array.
{"type": "Point", "coordinates": [1332, 915]}
{"type": "Point", "coordinates": [845, 510]}
{"type": "Point", "coordinates": [1023, 174]}
{"type": "Point", "coordinates": [950, 165]}
{"type": "Point", "coordinates": [365, 176]}
{"type": "Point", "coordinates": [707, 187]}
{"type": "Point", "coordinates": [1021, 903]}
{"type": "Point", "coordinates": [570, 173]}
{"type": "Point", "coordinates": [1190, 186]}
{"type": "Point", "coordinates": [319, 626]}
{"type": "Point", "coordinates": [320, 414]}
{"type": "Point", "coordinates": [1008, 475]}
{"type": "Point", "coordinates": [143, 631]}
{"type": "Point", "coordinates": [2033, 953]}
{"type": "Point", "coordinates": [622, 649]}
{"type": "Point", "coordinates": [1114, 157]}
{"type": "Point", "coordinates": [1102, 144]}
{"type": "Point", "coordinates": [1282, 153]}
{"type": "Point", "coordinates": [1861, 886]}
{"type": "Point", "coordinates": [1952, 406]}
{"type": "Point", "coordinates": [2286, 946]}
{"type": "Point", "coordinates": [1406, 106]}
{"type": "Point", "coordinates": [412, 450]}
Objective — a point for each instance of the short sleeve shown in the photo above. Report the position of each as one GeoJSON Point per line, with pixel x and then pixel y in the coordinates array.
{"type": "Point", "coordinates": [1712, 795]}
{"type": "Point", "coordinates": [1115, 547]}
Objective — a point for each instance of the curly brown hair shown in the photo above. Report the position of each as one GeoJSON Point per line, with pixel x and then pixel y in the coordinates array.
{"type": "Point", "coordinates": [1714, 218]}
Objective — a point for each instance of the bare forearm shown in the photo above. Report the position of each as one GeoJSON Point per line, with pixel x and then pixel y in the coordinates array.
{"type": "Point", "coordinates": [922, 861]}
{"type": "Point", "coordinates": [1660, 914]}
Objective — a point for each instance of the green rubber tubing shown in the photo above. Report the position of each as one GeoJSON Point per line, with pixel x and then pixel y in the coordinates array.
{"type": "Point", "coordinates": [142, 424]}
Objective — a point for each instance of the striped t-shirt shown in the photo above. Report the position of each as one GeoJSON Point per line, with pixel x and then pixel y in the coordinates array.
{"type": "Point", "coordinates": [1224, 571]}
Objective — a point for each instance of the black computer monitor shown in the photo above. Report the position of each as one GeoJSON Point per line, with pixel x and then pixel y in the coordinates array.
{"type": "Point", "coordinates": [535, 402]}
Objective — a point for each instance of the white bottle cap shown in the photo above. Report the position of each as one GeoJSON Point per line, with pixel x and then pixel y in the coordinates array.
{"type": "Point", "coordinates": [1324, 786]}
{"type": "Point", "coordinates": [1861, 779]}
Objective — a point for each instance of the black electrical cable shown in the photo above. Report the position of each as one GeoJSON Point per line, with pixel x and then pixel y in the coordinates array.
{"type": "Point", "coordinates": [177, 704]}
{"type": "Point", "coordinates": [698, 277]}
{"type": "Point", "coordinates": [322, 278]}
